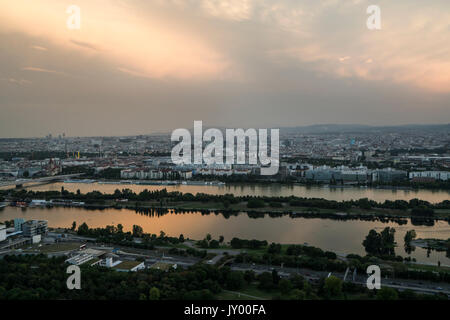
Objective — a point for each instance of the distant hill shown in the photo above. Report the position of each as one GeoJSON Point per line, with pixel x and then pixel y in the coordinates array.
{"type": "Point", "coordinates": [356, 128]}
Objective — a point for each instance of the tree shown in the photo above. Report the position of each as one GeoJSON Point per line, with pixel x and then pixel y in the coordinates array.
{"type": "Point", "coordinates": [275, 277]}
{"type": "Point", "coordinates": [274, 248]}
{"type": "Point", "coordinates": [142, 297]}
{"type": "Point", "coordinates": [255, 203]}
{"type": "Point", "coordinates": [154, 294]}
{"type": "Point", "coordinates": [221, 238]}
{"type": "Point", "coordinates": [409, 236]}
{"type": "Point", "coordinates": [297, 294]}
{"type": "Point", "coordinates": [249, 276]}
{"type": "Point", "coordinates": [235, 280]}
{"type": "Point", "coordinates": [265, 281]}
{"type": "Point", "coordinates": [386, 293]}
{"type": "Point", "coordinates": [181, 238]}
{"type": "Point", "coordinates": [137, 231]}
{"type": "Point", "coordinates": [208, 237]}
{"type": "Point", "coordinates": [203, 244]}
{"type": "Point", "coordinates": [74, 226]}
{"type": "Point", "coordinates": [285, 286]}
{"type": "Point", "coordinates": [297, 281]}
{"type": "Point", "coordinates": [236, 243]}
{"type": "Point", "coordinates": [333, 286]}
{"type": "Point", "coordinates": [83, 229]}
{"type": "Point", "coordinates": [422, 211]}
{"type": "Point", "coordinates": [214, 244]}
{"type": "Point", "coordinates": [372, 243]}
{"type": "Point", "coordinates": [380, 243]}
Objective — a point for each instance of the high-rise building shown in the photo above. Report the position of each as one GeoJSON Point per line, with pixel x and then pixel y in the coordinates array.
{"type": "Point", "coordinates": [32, 228]}
{"type": "Point", "coordinates": [18, 222]}
{"type": "Point", "coordinates": [2, 232]}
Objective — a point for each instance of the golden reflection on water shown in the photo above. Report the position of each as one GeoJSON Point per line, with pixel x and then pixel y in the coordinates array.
{"type": "Point", "coordinates": [338, 194]}
{"type": "Point", "coordinates": [333, 235]}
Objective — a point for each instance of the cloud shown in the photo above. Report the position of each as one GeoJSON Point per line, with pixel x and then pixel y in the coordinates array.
{"type": "Point", "coordinates": [39, 48]}
{"type": "Point", "coordinates": [17, 81]}
{"type": "Point", "coordinates": [37, 69]}
{"type": "Point", "coordinates": [135, 64]}
{"type": "Point", "coordinates": [85, 45]}
{"type": "Point", "coordinates": [134, 73]}
{"type": "Point", "coordinates": [237, 10]}
{"type": "Point", "coordinates": [123, 34]}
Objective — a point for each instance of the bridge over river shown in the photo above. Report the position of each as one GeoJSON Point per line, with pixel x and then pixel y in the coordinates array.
{"type": "Point", "coordinates": [20, 182]}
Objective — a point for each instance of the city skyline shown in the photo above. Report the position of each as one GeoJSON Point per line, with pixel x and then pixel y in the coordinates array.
{"type": "Point", "coordinates": [139, 68]}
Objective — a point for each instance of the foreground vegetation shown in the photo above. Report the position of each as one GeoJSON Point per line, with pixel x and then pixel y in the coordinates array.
{"type": "Point", "coordinates": [31, 277]}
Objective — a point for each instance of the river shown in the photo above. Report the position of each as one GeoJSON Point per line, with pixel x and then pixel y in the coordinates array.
{"type": "Point", "coordinates": [334, 235]}
{"type": "Point", "coordinates": [330, 193]}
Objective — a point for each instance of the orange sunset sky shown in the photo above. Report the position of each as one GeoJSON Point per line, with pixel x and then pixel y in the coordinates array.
{"type": "Point", "coordinates": [137, 67]}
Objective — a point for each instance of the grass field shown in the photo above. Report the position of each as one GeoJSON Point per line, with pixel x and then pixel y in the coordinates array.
{"type": "Point", "coordinates": [425, 267]}
{"type": "Point", "coordinates": [54, 247]}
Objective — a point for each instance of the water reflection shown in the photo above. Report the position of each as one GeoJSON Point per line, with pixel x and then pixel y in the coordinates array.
{"type": "Point", "coordinates": [330, 193]}
{"type": "Point", "coordinates": [334, 235]}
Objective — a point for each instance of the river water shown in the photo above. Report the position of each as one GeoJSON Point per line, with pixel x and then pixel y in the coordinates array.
{"type": "Point", "coordinates": [334, 235]}
{"type": "Point", "coordinates": [335, 193]}
{"type": "Point", "coordinates": [338, 236]}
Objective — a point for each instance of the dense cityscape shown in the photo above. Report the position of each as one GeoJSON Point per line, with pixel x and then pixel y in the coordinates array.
{"type": "Point", "coordinates": [361, 156]}
{"type": "Point", "coordinates": [395, 158]}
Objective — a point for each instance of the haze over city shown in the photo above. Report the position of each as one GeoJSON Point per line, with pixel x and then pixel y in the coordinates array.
{"type": "Point", "coordinates": [137, 67]}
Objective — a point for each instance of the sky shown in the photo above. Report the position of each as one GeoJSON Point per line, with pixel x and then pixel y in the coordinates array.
{"type": "Point", "coordinates": [139, 67]}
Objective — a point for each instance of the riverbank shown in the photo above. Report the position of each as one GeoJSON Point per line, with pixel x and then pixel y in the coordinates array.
{"type": "Point", "coordinates": [214, 180]}
{"type": "Point", "coordinates": [228, 204]}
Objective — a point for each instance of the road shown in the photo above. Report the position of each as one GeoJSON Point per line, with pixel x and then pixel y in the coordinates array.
{"type": "Point", "coordinates": [38, 180]}
{"type": "Point", "coordinates": [152, 256]}
{"type": "Point", "coordinates": [311, 275]}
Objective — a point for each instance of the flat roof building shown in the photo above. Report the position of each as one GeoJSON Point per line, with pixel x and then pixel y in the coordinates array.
{"type": "Point", "coordinates": [32, 228]}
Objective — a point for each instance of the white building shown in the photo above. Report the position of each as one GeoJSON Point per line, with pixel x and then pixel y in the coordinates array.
{"type": "Point", "coordinates": [109, 262]}
{"type": "Point", "coordinates": [2, 232]}
{"type": "Point", "coordinates": [80, 259]}
{"type": "Point", "coordinates": [130, 266]}
{"type": "Point", "coordinates": [437, 175]}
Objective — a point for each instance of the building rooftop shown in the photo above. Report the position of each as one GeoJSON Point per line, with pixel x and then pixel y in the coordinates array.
{"type": "Point", "coordinates": [162, 266]}
{"type": "Point", "coordinates": [127, 265]}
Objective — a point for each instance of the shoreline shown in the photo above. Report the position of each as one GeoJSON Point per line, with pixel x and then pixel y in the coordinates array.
{"type": "Point", "coordinates": [252, 183]}
{"type": "Point", "coordinates": [255, 214]}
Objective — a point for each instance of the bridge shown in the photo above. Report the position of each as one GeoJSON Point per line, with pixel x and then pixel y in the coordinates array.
{"type": "Point", "coordinates": [20, 182]}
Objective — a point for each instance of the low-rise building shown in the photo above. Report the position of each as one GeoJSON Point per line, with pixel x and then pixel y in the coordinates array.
{"type": "Point", "coordinates": [130, 266]}
{"type": "Point", "coordinates": [436, 175]}
{"type": "Point", "coordinates": [80, 259]}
